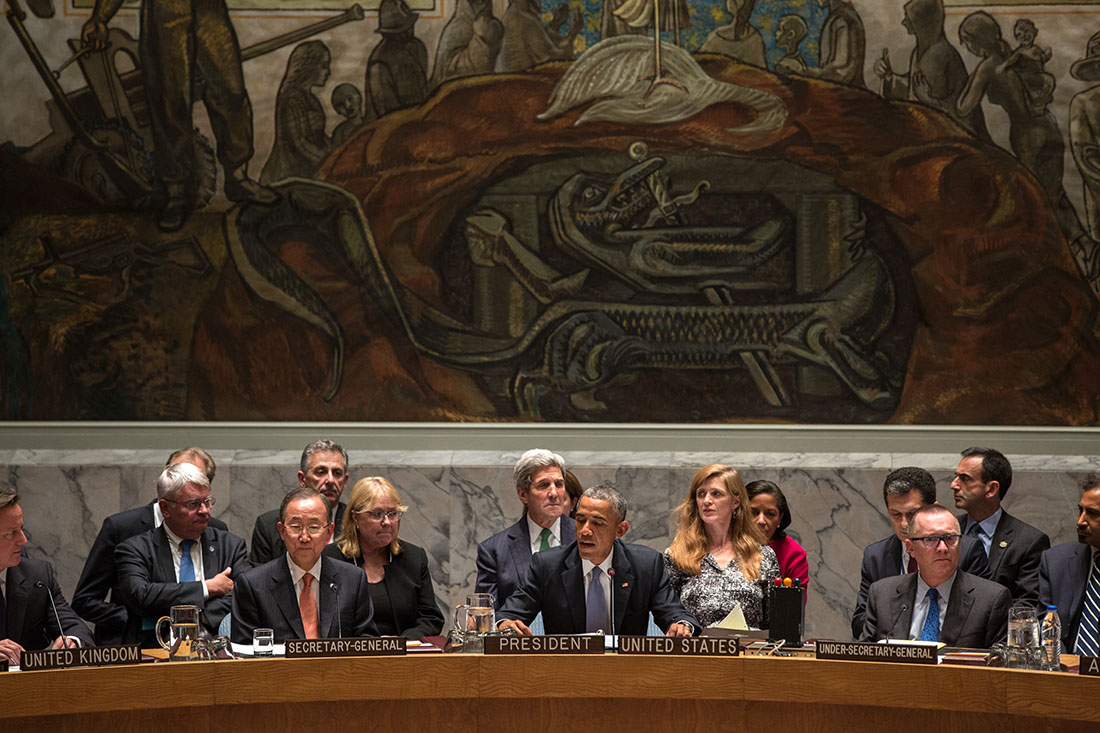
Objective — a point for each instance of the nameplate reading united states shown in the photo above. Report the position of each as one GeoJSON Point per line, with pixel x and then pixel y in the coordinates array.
{"type": "Point", "coordinates": [564, 644]}
{"type": "Point", "coordinates": [96, 656]}
{"type": "Point", "coordinates": [679, 646]}
{"type": "Point", "coordinates": [1090, 666]}
{"type": "Point", "coordinates": [857, 651]}
{"type": "Point", "coordinates": [386, 646]}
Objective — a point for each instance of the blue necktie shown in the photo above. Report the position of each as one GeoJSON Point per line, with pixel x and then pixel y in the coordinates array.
{"type": "Point", "coordinates": [1090, 613]}
{"type": "Point", "coordinates": [931, 630]}
{"type": "Point", "coordinates": [187, 566]}
{"type": "Point", "coordinates": [595, 617]}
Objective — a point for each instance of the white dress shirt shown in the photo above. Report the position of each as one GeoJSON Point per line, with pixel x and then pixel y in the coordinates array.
{"type": "Point", "coordinates": [534, 531]}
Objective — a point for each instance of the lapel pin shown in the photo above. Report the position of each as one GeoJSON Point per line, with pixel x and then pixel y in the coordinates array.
{"type": "Point", "coordinates": [626, 585]}
{"type": "Point", "coordinates": [1003, 544]}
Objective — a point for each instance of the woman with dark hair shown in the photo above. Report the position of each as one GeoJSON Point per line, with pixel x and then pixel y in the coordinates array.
{"type": "Point", "coordinates": [574, 489]}
{"type": "Point", "coordinates": [301, 144]}
{"type": "Point", "coordinates": [398, 580]}
{"type": "Point", "coordinates": [772, 516]}
{"type": "Point", "coordinates": [719, 557]}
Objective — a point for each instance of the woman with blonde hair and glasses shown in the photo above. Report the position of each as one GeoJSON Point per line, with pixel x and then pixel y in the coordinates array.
{"type": "Point", "coordinates": [719, 555]}
{"type": "Point", "coordinates": [397, 571]}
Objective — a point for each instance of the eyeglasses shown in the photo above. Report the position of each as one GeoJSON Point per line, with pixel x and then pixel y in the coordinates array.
{"type": "Point", "coordinates": [378, 515]}
{"type": "Point", "coordinates": [296, 530]}
{"type": "Point", "coordinates": [931, 543]}
{"type": "Point", "coordinates": [194, 504]}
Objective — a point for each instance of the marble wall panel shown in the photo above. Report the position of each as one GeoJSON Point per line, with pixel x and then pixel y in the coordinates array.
{"type": "Point", "coordinates": [458, 498]}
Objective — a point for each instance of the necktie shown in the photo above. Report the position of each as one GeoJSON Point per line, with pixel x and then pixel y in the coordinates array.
{"type": "Point", "coordinates": [308, 607]}
{"type": "Point", "coordinates": [931, 630]}
{"type": "Point", "coordinates": [187, 565]}
{"type": "Point", "coordinates": [3, 616]}
{"type": "Point", "coordinates": [544, 537]}
{"type": "Point", "coordinates": [595, 617]}
{"type": "Point", "coordinates": [976, 532]}
{"type": "Point", "coordinates": [912, 566]}
{"type": "Point", "coordinates": [1087, 636]}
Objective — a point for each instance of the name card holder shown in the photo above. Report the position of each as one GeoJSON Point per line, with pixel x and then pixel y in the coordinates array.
{"type": "Point", "coordinates": [93, 656]}
{"type": "Point", "coordinates": [553, 644]}
{"type": "Point", "coordinates": [863, 651]}
{"type": "Point", "coordinates": [698, 646]}
{"type": "Point", "coordinates": [385, 646]}
{"type": "Point", "coordinates": [1090, 666]}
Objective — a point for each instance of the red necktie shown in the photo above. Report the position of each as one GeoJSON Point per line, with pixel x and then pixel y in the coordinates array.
{"type": "Point", "coordinates": [912, 565]}
{"type": "Point", "coordinates": [308, 606]}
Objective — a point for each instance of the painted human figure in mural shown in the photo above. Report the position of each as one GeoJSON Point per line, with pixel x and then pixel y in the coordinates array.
{"type": "Point", "coordinates": [1084, 136]}
{"type": "Point", "coordinates": [397, 69]}
{"type": "Point", "coordinates": [527, 41]}
{"type": "Point", "coordinates": [637, 15]}
{"type": "Point", "coordinates": [1028, 60]}
{"type": "Point", "coordinates": [181, 39]}
{"type": "Point", "coordinates": [348, 103]}
{"type": "Point", "coordinates": [843, 44]}
{"type": "Point", "coordinates": [738, 40]}
{"type": "Point", "coordinates": [790, 31]}
{"type": "Point", "coordinates": [301, 144]}
{"type": "Point", "coordinates": [1034, 138]}
{"type": "Point", "coordinates": [936, 72]}
{"type": "Point", "coordinates": [469, 43]}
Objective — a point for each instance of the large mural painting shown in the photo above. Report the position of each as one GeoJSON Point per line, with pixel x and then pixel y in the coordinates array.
{"type": "Point", "coordinates": [814, 211]}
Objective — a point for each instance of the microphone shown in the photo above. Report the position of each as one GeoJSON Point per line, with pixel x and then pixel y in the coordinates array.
{"type": "Point", "coordinates": [339, 621]}
{"type": "Point", "coordinates": [60, 628]}
{"type": "Point", "coordinates": [611, 620]}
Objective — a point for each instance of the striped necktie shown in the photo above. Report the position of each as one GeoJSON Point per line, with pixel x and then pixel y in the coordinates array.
{"type": "Point", "coordinates": [1090, 613]}
{"type": "Point", "coordinates": [931, 629]}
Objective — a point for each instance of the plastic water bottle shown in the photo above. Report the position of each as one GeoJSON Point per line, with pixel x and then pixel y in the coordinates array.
{"type": "Point", "coordinates": [1051, 635]}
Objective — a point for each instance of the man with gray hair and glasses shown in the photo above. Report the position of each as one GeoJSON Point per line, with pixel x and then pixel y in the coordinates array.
{"type": "Point", "coordinates": [323, 468]}
{"type": "Point", "coordinates": [503, 559]}
{"type": "Point", "coordinates": [183, 561]}
{"type": "Point", "coordinates": [939, 602]}
{"type": "Point", "coordinates": [572, 586]}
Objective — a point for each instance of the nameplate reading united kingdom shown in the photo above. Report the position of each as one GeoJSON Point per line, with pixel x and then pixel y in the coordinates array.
{"type": "Point", "coordinates": [858, 651]}
{"type": "Point", "coordinates": [558, 644]}
{"type": "Point", "coordinates": [1090, 666]}
{"type": "Point", "coordinates": [679, 646]}
{"type": "Point", "coordinates": [95, 656]}
{"type": "Point", "coordinates": [386, 646]}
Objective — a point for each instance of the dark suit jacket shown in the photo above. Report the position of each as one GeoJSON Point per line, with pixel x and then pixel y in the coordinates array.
{"type": "Point", "coordinates": [147, 578]}
{"type": "Point", "coordinates": [1063, 574]}
{"type": "Point", "coordinates": [503, 559]}
{"type": "Point", "coordinates": [977, 613]}
{"type": "Point", "coordinates": [265, 598]}
{"type": "Point", "coordinates": [99, 577]}
{"type": "Point", "coordinates": [1014, 555]}
{"type": "Point", "coordinates": [31, 622]}
{"type": "Point", "coordinates": [554, 585]}
{"type": "Point", "coordinates": [408, 585]}
{"type": "Point", "coordinates": [266, 542]}
{"type": "Point", "coordinates": [882, 559]}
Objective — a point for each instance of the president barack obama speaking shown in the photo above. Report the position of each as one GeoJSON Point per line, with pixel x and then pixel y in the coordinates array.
{"type": "Point", "coordinates": [569, 584]}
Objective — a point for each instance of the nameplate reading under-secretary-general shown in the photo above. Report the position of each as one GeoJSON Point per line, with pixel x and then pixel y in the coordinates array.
{"type": "Point", "coordinates": [1090, 666]}
{"type": "Point", "coordinates": [386, 646]}
{"type": "Point", "coordinates": [859, 651]}
{"type": "Point", "coordinates": [679, 646]}
{"type": "Point", "coordinates": [95, 656]}
{"type": "Point", "coordinates": [563, 644]}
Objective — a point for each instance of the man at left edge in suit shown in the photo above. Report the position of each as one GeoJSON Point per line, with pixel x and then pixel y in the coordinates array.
{"type": "Point", "coordinates": [27, 619]}
{"type": "Point", "coordinates": [182, 562]}
{"type": "Point", "coordinates": [1012, 547]}
{"type": "Point", "coordinates": [303, 594]}
{"type": "Point", "coordinates": [503, 559]}
{"type": "Point", "coordinates": [569, 585]}
{"type": "Point", "coordinates": [938, 602]}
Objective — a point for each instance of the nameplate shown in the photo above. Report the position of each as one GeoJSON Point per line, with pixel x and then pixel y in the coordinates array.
{"type": "Point", "coordinates": [563, 644]}
{"type": "Point", "coordinates": [696, 646]}
{"type": "Point", "coordinates": [386, 646]}
{"type": "Point", "coordinates": [1090, 666]}
{"type": "Point", "coordinates": [95, 656]}
{"type": "Point", "coordinates": [859, 651]}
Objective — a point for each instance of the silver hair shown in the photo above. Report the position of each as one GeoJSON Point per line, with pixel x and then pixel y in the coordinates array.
{"type": "Point", "coordinates": [174, 478]}
{"type": "Point", "coordinates": [322, 446]}
{"type": "Point", "coordinates": [928, 510]}
{"type": "Point", "coordinates": [607, 492]}
{"type": "Point", "coordinates": [530, 462]}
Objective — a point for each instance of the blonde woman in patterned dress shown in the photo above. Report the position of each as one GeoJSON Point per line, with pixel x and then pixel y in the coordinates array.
{"type": "Point", "coordinates": [719, 555]}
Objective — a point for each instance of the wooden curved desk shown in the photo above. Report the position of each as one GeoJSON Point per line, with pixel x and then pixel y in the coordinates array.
{"type": "Point", "coordinates": [607, 693]}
